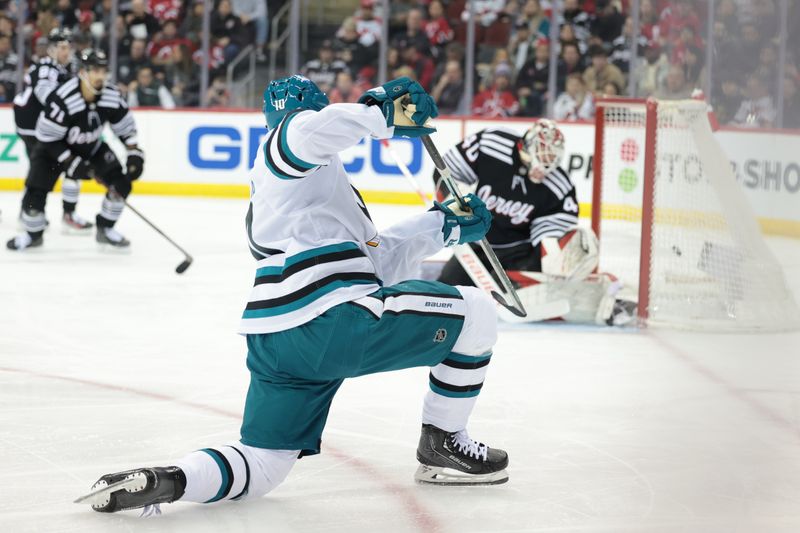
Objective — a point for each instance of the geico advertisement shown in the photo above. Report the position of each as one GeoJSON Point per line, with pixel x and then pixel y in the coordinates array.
{"type": "Point", "coordinates": [219, 147]}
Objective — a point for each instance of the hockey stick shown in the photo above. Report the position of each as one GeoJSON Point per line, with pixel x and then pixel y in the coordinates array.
{"type": "Point", "coordinates": [187, 261]}
{"type": "Point", "coordinates": [407, 173]}
{"type": "Point", "coordinates": [507, 288]}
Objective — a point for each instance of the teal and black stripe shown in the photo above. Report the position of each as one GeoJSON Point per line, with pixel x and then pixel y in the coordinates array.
{"type": "Point", "coordinates": [256, 250]}
{"type": "Point", "coordinates": [466, 362]}
{"type": "Point", "coordinates": [454, 391]}
{"type": "Point", "coordinates": [308, 259]}
{"type": "Point", "coordinates": [225, 470]}
{"type": "Point", "coordinates": [303, 297]}
{"type": "Point", "coordinates": [246, 488]}
{"type": "Point", "coordinates": [278, 136]}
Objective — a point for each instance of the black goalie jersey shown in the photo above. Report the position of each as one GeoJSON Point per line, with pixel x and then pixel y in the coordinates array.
{"type": "Point", "coordinates": [41, 79]}
{"type": "Point", "coordinates": [523, 212]}
{"type": "Point", "coordinates": [71, 125]}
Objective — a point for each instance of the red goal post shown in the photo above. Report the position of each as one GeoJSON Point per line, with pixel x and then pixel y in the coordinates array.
{"type": "Point", "coordinates": [674, 225]}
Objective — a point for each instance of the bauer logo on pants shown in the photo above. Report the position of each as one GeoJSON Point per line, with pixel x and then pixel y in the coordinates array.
{"type": "Point", "coordinates": [440, 336]}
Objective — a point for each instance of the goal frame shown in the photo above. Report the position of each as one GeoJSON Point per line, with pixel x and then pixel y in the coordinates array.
{"type": "Point", "coordinates": [650, 108]}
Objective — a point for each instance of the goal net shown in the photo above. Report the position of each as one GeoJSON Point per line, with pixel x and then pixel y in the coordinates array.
{"type": "Point", "coordinates": [674, 225]}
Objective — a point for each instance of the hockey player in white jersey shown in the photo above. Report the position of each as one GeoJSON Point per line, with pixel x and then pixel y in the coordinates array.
{"type": "Point", "coordinates": [332, 299]}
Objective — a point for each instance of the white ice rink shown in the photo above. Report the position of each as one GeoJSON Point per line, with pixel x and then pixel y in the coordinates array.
{"type": "Point", "coordinates": [109, 362]}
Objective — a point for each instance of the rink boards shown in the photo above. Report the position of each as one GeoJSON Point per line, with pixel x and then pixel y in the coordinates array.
{"type": "Point", "coordinates": [193, 153]}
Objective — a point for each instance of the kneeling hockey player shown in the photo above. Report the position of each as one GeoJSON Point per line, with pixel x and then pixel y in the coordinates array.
{"type": "Point", "coordinates": [333, 299]}
{"type": "Point", "coordinates": [535, 232]}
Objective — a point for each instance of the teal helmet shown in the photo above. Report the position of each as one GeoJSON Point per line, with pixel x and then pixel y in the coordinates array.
{"type": "Point", "coordinates": [289, 94]}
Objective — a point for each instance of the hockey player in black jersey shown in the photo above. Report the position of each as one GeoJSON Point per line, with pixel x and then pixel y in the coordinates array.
{"type": "Point", "coordinates": [42, 78]}
{"type": "Point", "coordinates": [68, 134]}
{"type": "Point", "coordinates": [535, 231]}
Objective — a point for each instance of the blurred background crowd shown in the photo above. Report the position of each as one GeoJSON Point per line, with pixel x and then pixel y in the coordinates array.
{"type": "Point", "coordinates": [492, 58]}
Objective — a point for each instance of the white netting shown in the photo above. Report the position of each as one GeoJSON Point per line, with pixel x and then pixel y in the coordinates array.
{"type": "Point", "coordinates": [710, 266]}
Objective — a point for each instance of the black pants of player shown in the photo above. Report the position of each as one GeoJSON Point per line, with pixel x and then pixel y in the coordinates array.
{"type": "Point", "coordinates": [521, 257]}
{"type": "Point", "coordinates": [30, 143]}
{"type": "Point", "coordinates": [44, 172]}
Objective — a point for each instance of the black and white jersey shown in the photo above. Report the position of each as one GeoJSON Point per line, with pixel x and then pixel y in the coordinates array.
{"type": "Point", "coordinates": [42, 78]}
{"type": "Point", "coordinates": [70, 125]}
{"type": "Point", "coordinates": [523, 211]}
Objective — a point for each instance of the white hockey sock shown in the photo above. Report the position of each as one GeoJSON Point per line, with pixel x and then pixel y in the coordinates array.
{"type": "Point", "coordinates": [233, 472]}
{"type": "Point", "coordinates": [454, 387]}
{"type": "Point", "coordinates": [70, 190]}
{"type": "Point", "coordinates": [112, 208]}
{"type": "Point", "coordinates": [33, 221]}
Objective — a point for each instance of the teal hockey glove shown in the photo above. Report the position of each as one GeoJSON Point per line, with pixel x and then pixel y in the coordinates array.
{"type": "Point", "coordinates": [406, 106]}
{"type": "Point", "coordinates": [460, 226]}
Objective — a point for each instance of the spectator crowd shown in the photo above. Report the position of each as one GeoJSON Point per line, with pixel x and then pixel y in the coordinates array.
{"type": "Point", "coordinates": [158, 43]}
{"type": "Point", "coordinates": [594, 46]}
{"type": "Point", "coordinates": [160, 53]}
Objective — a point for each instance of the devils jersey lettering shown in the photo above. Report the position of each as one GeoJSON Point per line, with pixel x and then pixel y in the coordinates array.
{"type": "Point", "coordinates": [41, 79]}
{"type": "Point", "coordinates": [70, 125]}
{"type": "Point", "coordinates": [523, 212]}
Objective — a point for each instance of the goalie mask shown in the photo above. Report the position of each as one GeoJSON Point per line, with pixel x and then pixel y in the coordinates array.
{"type": "Point", "coordinates": [289, 94]}
{"type": "Point", "coordinates": [542, 149]}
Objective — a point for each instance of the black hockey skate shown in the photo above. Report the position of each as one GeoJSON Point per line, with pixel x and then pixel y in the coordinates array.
{"type": "Point", "coordinates": [137, 488]}
{"type": "Point", "coordinates": [23, 242]}
{"type": "Point", "coordinates": [111, 237]}
{"type": "Point", "coordinates": [454, 459]}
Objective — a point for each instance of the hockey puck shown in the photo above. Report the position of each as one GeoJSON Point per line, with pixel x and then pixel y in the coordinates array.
{"type": "Point", "coordinates": [180, 269]}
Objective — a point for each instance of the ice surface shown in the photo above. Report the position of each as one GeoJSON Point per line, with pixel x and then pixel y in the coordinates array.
{"type": "Point", "coordinates": [113, 361]}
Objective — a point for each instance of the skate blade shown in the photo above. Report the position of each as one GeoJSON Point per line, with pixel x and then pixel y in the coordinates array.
{"type": "Point", "coordinates": [70, 230]}
{"type": "Point", "coordinates": [435, 475]}
{"type": "Point", "coordinates": [106, 248]}
{"type": "Point", "coordinates": [100, 495]}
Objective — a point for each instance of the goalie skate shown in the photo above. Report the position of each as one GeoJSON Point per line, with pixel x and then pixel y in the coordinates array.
{"type": "Point", "coordinates": [137, 488]}
{"type": "Point", "coordinates": [452, 458]}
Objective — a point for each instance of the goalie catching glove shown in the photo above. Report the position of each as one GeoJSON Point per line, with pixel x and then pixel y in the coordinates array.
{"type": "Point", "coordinates": [464, 225]}
{"type": "Point", "coordinates": [406, 106]}
{"type": "Point", "coordinates": [135, 163]}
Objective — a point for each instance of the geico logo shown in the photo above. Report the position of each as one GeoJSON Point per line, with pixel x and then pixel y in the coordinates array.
{"type": "Point", "coordinates": [224, 147]}
{"type": "Point", "coordinates": [76, 136]}
{"type": "Point", "coordinates": [220, 147]}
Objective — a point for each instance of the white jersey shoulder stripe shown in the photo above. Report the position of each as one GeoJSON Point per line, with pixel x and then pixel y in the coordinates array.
{"type": "Point", "coordinates": [555, 190]}
{"type": "Point", "coordinates": [502, 148]}
{"type": "Point", "coordinates": [500, 136]}
{"type": "Point", "coordinates": [67, 88]}
{"type": "Point", "coordinates": [497, 155]}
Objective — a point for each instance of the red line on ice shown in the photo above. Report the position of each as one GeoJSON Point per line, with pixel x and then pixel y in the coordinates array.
{"type": "Point", "coordinates": [421, 516]}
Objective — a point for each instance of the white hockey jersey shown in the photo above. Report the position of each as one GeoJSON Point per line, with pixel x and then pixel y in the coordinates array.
{"type": "Point", "coordinates": [309, 228]}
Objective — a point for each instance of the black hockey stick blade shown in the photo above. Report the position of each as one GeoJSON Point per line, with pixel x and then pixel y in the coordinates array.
{"type": "Point", "coordinates": [180, 269]}
{"type": "Point", "coordinates": [512, 308]}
